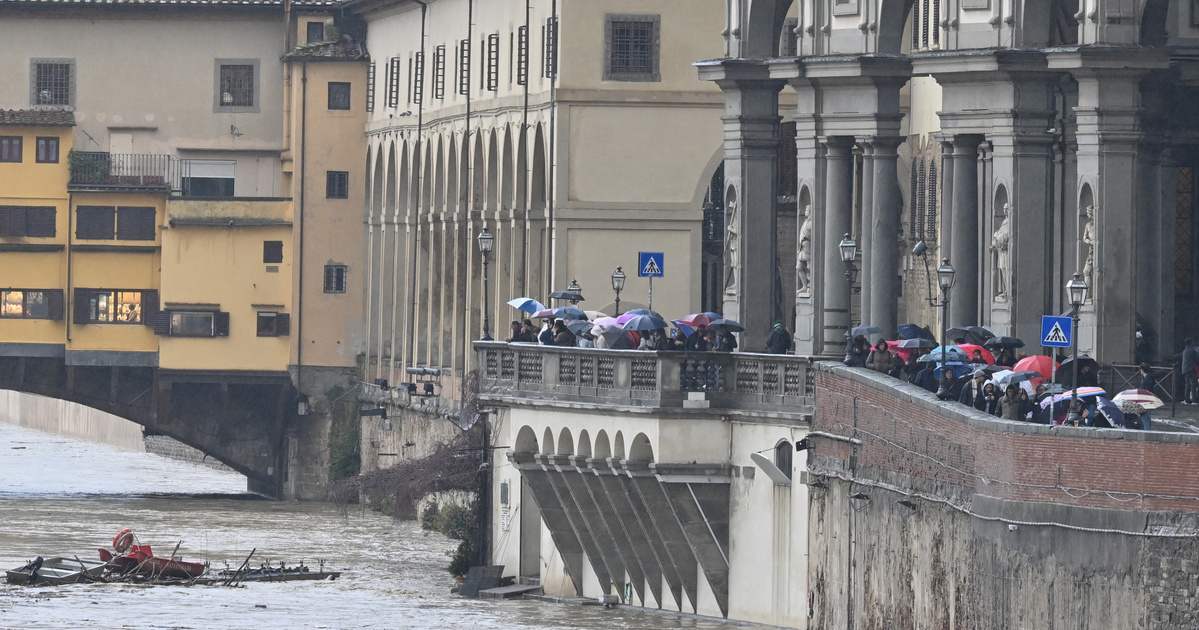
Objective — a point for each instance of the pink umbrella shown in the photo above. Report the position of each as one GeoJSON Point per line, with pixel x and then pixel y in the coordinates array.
{"type": "Point", "coordinates": [544, 314]}
{"type": "Point", "coordinates": [606, 321]}
{"type": "Point", "coordinates": [697, 319]}
{"type": "Point", "coordinates": [621, 319]}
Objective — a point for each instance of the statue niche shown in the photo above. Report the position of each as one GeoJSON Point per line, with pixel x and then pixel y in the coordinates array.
{"type": "Point", "coordinates": [1001, 248]}
{"type": "Point", "coordinates": [732, 260]}
{"type": "Point", "coordinates": [803, 259]}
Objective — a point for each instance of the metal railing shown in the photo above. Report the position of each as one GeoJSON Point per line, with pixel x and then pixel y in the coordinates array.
{"type": "Point", "coordinates": [1121, 377]}
{"type": "Point", "coordinates": [123, 170]}
{"type": "Point", "coordinates": [630, 378]}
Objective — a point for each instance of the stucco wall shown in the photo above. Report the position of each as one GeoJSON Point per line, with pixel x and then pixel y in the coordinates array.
{"type": "Point", "coordinates": [65, 418]}
{"type": "Point", "coordinates": [930, 515]}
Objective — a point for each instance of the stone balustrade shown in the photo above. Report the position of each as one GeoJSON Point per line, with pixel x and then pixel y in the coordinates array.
{"type": "Point", "coordinates": [768, 383]}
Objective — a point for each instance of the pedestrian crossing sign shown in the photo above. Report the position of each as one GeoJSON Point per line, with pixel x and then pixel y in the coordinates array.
{"type": "Point", "coordinates": [1056, 332]}
{"type": "Point", "coordinates": [651, 264]}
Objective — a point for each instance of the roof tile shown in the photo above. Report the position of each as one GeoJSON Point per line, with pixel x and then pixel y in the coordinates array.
{"type": "Point", "coordinates": [37, 117]}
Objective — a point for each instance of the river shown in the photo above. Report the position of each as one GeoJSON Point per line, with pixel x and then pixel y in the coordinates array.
{"type": "Point", "coordinates": [61, 496]}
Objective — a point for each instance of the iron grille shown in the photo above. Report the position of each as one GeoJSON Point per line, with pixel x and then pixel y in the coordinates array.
{"type": "Point", "coordinates": [237, 86]}
{"type": "Point", "coordinates": [930, 223]}
{"type": "Point", "coordinates": [54, 83]}
{"type": "Point", "coordinates": [921, 196]}
{"type": "Point", "coordinates": [912, 205]}
{"type": "Point", "coordinates": [439, 73]}
{"type": "Point", "coordinates": [464, 67]}
{"type": "Point", "coordinates": [418, 74]}
{"type": "Point", "coordinates": [633, 48]}
{"type": "Point", "coordinates": [550, 36]}
{"type": "Point", "coordinates": [393, 82]}
{"type": "Point", "coordinates": [493, 62]}
{"type": "Point", "coordinates": [370, 87]}
{"type": "Point", "coordinates": [522, 55]}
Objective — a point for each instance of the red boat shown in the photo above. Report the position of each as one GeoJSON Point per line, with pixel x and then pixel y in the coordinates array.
{"type": "Point", "coordinates": [133, 558]}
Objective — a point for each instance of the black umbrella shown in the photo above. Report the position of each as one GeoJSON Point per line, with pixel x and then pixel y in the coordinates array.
{"type": "Point", "coordinates": [981, 332]}
{"type": "Point", "coordinates": [566, 295]}
{"type": "Point", "coordinates": [733, 326]}
{"type": "Point", "coordinates": [580, 327]}
{"type": "Point", "coordinates": [1066, 365]}
{"type": "Point", "coordinates": [644, 311]}
{"type": "Point", "coordinates": [912, 331]}
{"type": "Point", "coordinates": [645, 322]}
{"type": "Point", "coordinates": [918, 344]}
{"type": "Point", "coordinates": [866, 330]}
{"type": "Point", "coordinates": [970, 335]}
{"type": "Point", "coordinates": [1003, 342]}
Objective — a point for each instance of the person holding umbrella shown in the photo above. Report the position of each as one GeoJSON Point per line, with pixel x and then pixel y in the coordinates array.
{"type": "Point", "coordinates": [725, 341]}
{"type": "Point", "coordinates": [858, 351]}
{"type": "Point", "coordinates": [562, 336]}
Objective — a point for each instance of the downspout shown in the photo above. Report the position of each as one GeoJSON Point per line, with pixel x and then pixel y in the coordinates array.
{"type": "Point", "coordinates": [415, 201]}
{"type": "Point", "coordinates": [69, 298]}
{"type": "Point", "coordinates": [300, 225]}
{"type": "Point", "coordinates": [549, 222]}
{"type": "Point", "coordinates": [524, 141]}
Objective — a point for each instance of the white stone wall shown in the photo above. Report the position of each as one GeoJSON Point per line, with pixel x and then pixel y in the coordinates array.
{"type": "Point", "coordinates": [65, 418]}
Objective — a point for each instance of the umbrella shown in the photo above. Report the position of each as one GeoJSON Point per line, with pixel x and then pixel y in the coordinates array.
{"type": "Point", "coordinates": [609, 333]}
{"type": "Point", "coordinates": [606, 321]}
{"type": "Point", "coordinates": [970, 335]}
{"type": "Point", "coordinates": [1141, 397]}
{"type": "Point", "coordinates": [569, 312]}
{"type": "Point", "coordinates": [1007, 377]}
{"type": "Point", "coordinates": [1083, 392]}
{"type": "Point", "coordinates": [866, 330]}
{"type": "Point", "coordinates": [1129, 408]}
{"type": "Point", "coordinates": [699, 319]}
{"type": "Point", "coordinates": [566, 295]}
{"type": "Point", "coordinates": [644, 311]}
{"type": "Point", "coordinates": [1083, 360]}
{"type": "Point", "coordinates": [733, 326]}
{"type": "Point", "coordinates": [917, 344]}
{"type": "Point", "coordinates": [645, 322]}
{"type": "Point", "coordinates": [526, 304]}
{"type": "Point", "coordinates": [912, 331]}
{"type": "Point", "coordinates": [969, 349]}
{"type": "Point", "coordinates": [1036, 363]}
{"type": "Point", "coordinates": [985, 333]}
{"type": "Point", "coordinates": [544, 313]}
{"type": "Point", "coordinates": [594, 315]}
{"type": "Point", "coordinates": [687, 330]}
{"type": "Point", "coordinates": [952, 353]}
{"type": "Point", "coordinates": [579, 327]}
{"type": "Point", "coordinates": [1111, 411]}
{"type": "Point", "coordinates": [957, 368]}
{"type": "Point", "coordinates": [1003, 342]}
{"type": "Point", "coordinates": [624, 317]}
{"type": "Point", "coordinates": [623, 342]}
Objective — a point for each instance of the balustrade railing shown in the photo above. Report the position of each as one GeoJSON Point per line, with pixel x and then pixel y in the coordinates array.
{"type": "Point", "coordinates": [728, 381]}
{"type": "Point", "coordinates": [123, 170]}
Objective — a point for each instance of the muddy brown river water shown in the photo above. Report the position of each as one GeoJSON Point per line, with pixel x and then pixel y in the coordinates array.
{"type": "Point", "coordinates": [60, 496]}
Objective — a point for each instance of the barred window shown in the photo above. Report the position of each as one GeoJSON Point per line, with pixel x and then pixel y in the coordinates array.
{"type": "Point", "coordinates": [632, 48]}
{"type": "Point", "coordinates": [335, 278]}
{"type": "Point", "coordinates": [370, 87]}
{"type": "Point", "coordinates": [337, 184]}
{"type": "Point", "coordinates": [237, 86]}
{"type": "Point", "coordinates": [493, 62]}
{"type": "Point", "coordinates": [439, 72]}
{"type": "Point", "coordinates": [549, 34]}
{"type": "Point", "coordinates": [393, 82]}
{"type": "Point", "coordinates": [464, 67]}
{"type": "Point", "coordinates": [53, 82]}
{"type": "Point", "coordinates": [522, 55]}
{"type": "Point", "coordinates": [339, 95]}
{"type": "Point", "coordinates": [930, 223]}
{"type": "Point", "coordinates": [921, 196]}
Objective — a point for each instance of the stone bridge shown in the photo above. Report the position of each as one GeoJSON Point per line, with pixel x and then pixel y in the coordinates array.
{"type": "Point", "coordinates": [239, 418]}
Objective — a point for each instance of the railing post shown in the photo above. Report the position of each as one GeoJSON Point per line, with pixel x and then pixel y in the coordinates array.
{"type": "Point", "coordinates": [622, 376]}
{"type": "Point", "coordinates": [550, 372]}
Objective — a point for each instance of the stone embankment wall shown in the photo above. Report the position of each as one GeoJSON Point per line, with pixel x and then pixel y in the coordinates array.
{"type": "Point", "coordinates": [407, 433]}
{"type": "Point", "coordinates": [66, 418]}
{"type": "Point", "coordinates": [174, 449]}
{"type": "Point", "coordinates": [930, 515]}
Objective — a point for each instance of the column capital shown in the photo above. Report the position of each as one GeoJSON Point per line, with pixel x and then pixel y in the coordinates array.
{"type": "Point", "coordinates": [740, 75]}
{"type": "Point", "coordinates": [838, 144]}
{"type": "Point", "coordinates": [881, 145]}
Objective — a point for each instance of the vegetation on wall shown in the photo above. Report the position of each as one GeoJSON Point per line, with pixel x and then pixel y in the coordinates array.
{"type": "Point", "coordinates": [345, 452]}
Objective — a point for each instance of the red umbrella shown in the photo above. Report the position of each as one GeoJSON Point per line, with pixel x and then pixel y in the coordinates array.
{"type": "Point", "coordinates": [697, 319]}
{"type": "Point", "coordinates": [1036, 363]}
{"type": "Point", "coordinates": [969, 349]}
{"type": "Point", "coordinates": [903, 353]}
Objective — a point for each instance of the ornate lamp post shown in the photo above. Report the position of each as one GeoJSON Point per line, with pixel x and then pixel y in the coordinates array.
{"type": "Point", "coordinates": [1076, 290]}
{"type": "Point", "coordinates": [849, 253]}
{"type": "Point", "coordinates": [486, 242]}
{"type": "Point", "coordinates": [618, 278]}
{"type": "Point", "coordinates": [574, 287]}
{"type": "Point", "coordinates": [945, 277]}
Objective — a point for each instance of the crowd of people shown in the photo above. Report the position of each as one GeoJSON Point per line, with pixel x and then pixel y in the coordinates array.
{"type": "Point", "coordinates": [555, 332]}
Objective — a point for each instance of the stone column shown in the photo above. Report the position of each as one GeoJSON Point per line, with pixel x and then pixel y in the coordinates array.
{"type": "Point", "coordinates": [963, 304]}
{"type": "Point", "coordinates": [838, 200]}
{"type": "Point", "coordinates": [751, 137]}
{"type": "Point", "coordinates": [867, 236]}
{"type": "Point", "coordinates": [883, 253]}
{"type": "Point", "coordinates": [944, 234]}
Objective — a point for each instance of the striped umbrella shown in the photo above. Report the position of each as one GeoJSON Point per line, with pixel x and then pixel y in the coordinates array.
{"type": "Point", "coordinates": [1142, 397]}
{"type": "Point", "coordinates": [1083, 392]}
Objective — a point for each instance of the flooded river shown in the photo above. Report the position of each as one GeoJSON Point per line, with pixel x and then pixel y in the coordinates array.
{"type": "Point", "coordinates": [60, 496]}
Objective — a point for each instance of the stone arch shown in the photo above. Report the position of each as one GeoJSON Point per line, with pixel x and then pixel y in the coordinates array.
{"type": "Point", "coordinates": [583, 448]}
{"type": "Point", "coordinates": [602, 448]}
{"type": "Point", "coordinates": [526, 440]}
{"type": "Point", "coordinates": [1154, 22]}
{"type": "Point", "coordinates": [566, 443]}
{"type": "Point", "coordinates": [452, 181]}
{"type": "Point", "coordinates": [759, 37]}
{"type": "Point", "coordinates": [507, 174]}
{"type": "Point", "coordinates": [493, 172]}
{"type": "Point", "coordinates": [477, 174]}
{"type": "Point", "coordinates": [893, 18]}
{"type": "Point", "coordinates": [547, 441]}
{"type": "Point", "coordinates": [618, 445]}
{"type": "Point", "coordinates": [641, 450]}
{"type": "Point", "coordinates": [439, 178]}
{"type": "Point", "coordinates": [537, 176]}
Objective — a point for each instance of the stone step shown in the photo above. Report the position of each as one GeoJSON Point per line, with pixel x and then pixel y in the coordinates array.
{"type": "Point", "coordinates": [509, 592]}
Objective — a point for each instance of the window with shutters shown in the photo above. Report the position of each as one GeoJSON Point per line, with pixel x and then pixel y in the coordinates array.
{"type": "Point", "coordinates": [339, 95]}
{"type": "Point", "coordinates": [783, 453]}
{"type": "Point", "coordinates": [335, 278]}
{"type": "Point", "coordinates": [25, 221]}
{"type": "Point", "coordinates": [337, 184]}
{"type": "Point", "coordinates": [926, 27]}
{"type": "Point", "coordinates": [272, 252]}
{"type": "Point", "coordinates": [522, 55]}
{"type": "Point", "coordinates": [136, 223]}
{"type": "Point", "coordinates": [418, 76]}
{"type": "Point", "coordinates": [549, 35]}
{"type": "Point", "coordinates": [95, 223]}
{"type": "Point", "coordinates": [273, 324]}
{"type": "Point", "coordinates": [393, 82]}
{"type": "Point", "coordinates": [31, 304]}
{"type": "Point", "coordinates": [197, 323]}
{"type": "Point", "coordinates": [236, 86]}
{"type": "Point", "coordinates": [439, 72]}
{"type": "Point", "coordinates": [370, 87]}
{"type": "Point", "coordinates": [921, 196]}
{"type": "Point", "coordinates": [493, 62]}
{"type": "Point", "coordinates": [103, 306]}
{"type": "Point", "coordinates": [464, 67]}
{"type": "Point", "coordinates": [631, 45]}
{"type": "Point", "coordinates": [47, 150]}
{"type": "Point", "coordinates": [10, 148]}
{"type": "Point", "coordinates": [52, 82]}
{"type": "Point", "coordinates": [930, 221]}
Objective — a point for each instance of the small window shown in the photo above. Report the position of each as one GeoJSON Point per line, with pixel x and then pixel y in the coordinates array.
{"type": "Point", "coordinates": [493, 62]}
{"type": "Point", "coordinates": [272, 252]}
{"type": "Point", "coordinates": [316, 32]}
{"type": "Point", "coordinates": [10, 148]}
{"type": "Point", "coordinates": [47, 150]}
{"type": "Point", "coordinates": [632, 46]}
{"type": "Point", "coordinates": [235, 86]}
{"type": "Point", "coordinates": [549, 61]}
{"type": "Point", "coordinates": [337, 184]}
{"type": "Point", "coordinates": [782, 457]}
{"type": "Point", "coordinates": [335, 278]}
{"type": "Point", "coordinates": [272, 324]}
{"type": "Point", "coordinates": [339, 95]}
{"type": "Point", "coordinates": [208, 178]}
{"type": "Point", "coordinates": [26, 304]}
{"type": "Point", "coordinates": [136, 223]}
{"type": "Point", "coordinates": [95, 223]}
{"type": "Point", "coordinates": [52, 82]}
{"type": "Point", "coordinates": [114, 307]}
{"type": "Point", "coordinates": [191, 324]}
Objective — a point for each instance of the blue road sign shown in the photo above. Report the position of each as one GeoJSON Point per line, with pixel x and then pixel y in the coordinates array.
{"type": "Point", "coordinates": [1056, 332]}
{"type": "Point", "coordinates": [651, 264]}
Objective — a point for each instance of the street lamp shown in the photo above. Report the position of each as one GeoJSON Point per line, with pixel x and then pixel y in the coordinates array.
{"type": "Point", "coordinates": [618, 285]}
{"type": "Point", "coordinates": [1076, 290]}
{"type": "Point", "coordinates": [486, 242]}
{"type": "Point", "coordinates": [574, 287]}
{"type": "Point", "coordinates": [849, 253]}
{"type": "Point", "coordinates": [945, 277]}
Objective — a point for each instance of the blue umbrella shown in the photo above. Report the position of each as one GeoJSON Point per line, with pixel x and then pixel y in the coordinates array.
{"type": "Point", "coordinates": [918, 343]}
{"type": "Point", "coordinates": [952, 353]}
{"type": "Point", "coordinates": [687, 330]}
{"type": "Point", "coordinates": [569, 312]}
{"type": "Point", "coordinates": [911, 331]}
{"type": "Point", "coordinates": [644, 311]}
{"type": "Point", "coordinates": [645, 322]}
{"type": "Point", "coordinates": [526, 304]}
{"type": "Point", "coordinates": [1112, 411]}
{"type": "Point", "coordinates": [956, 368]}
